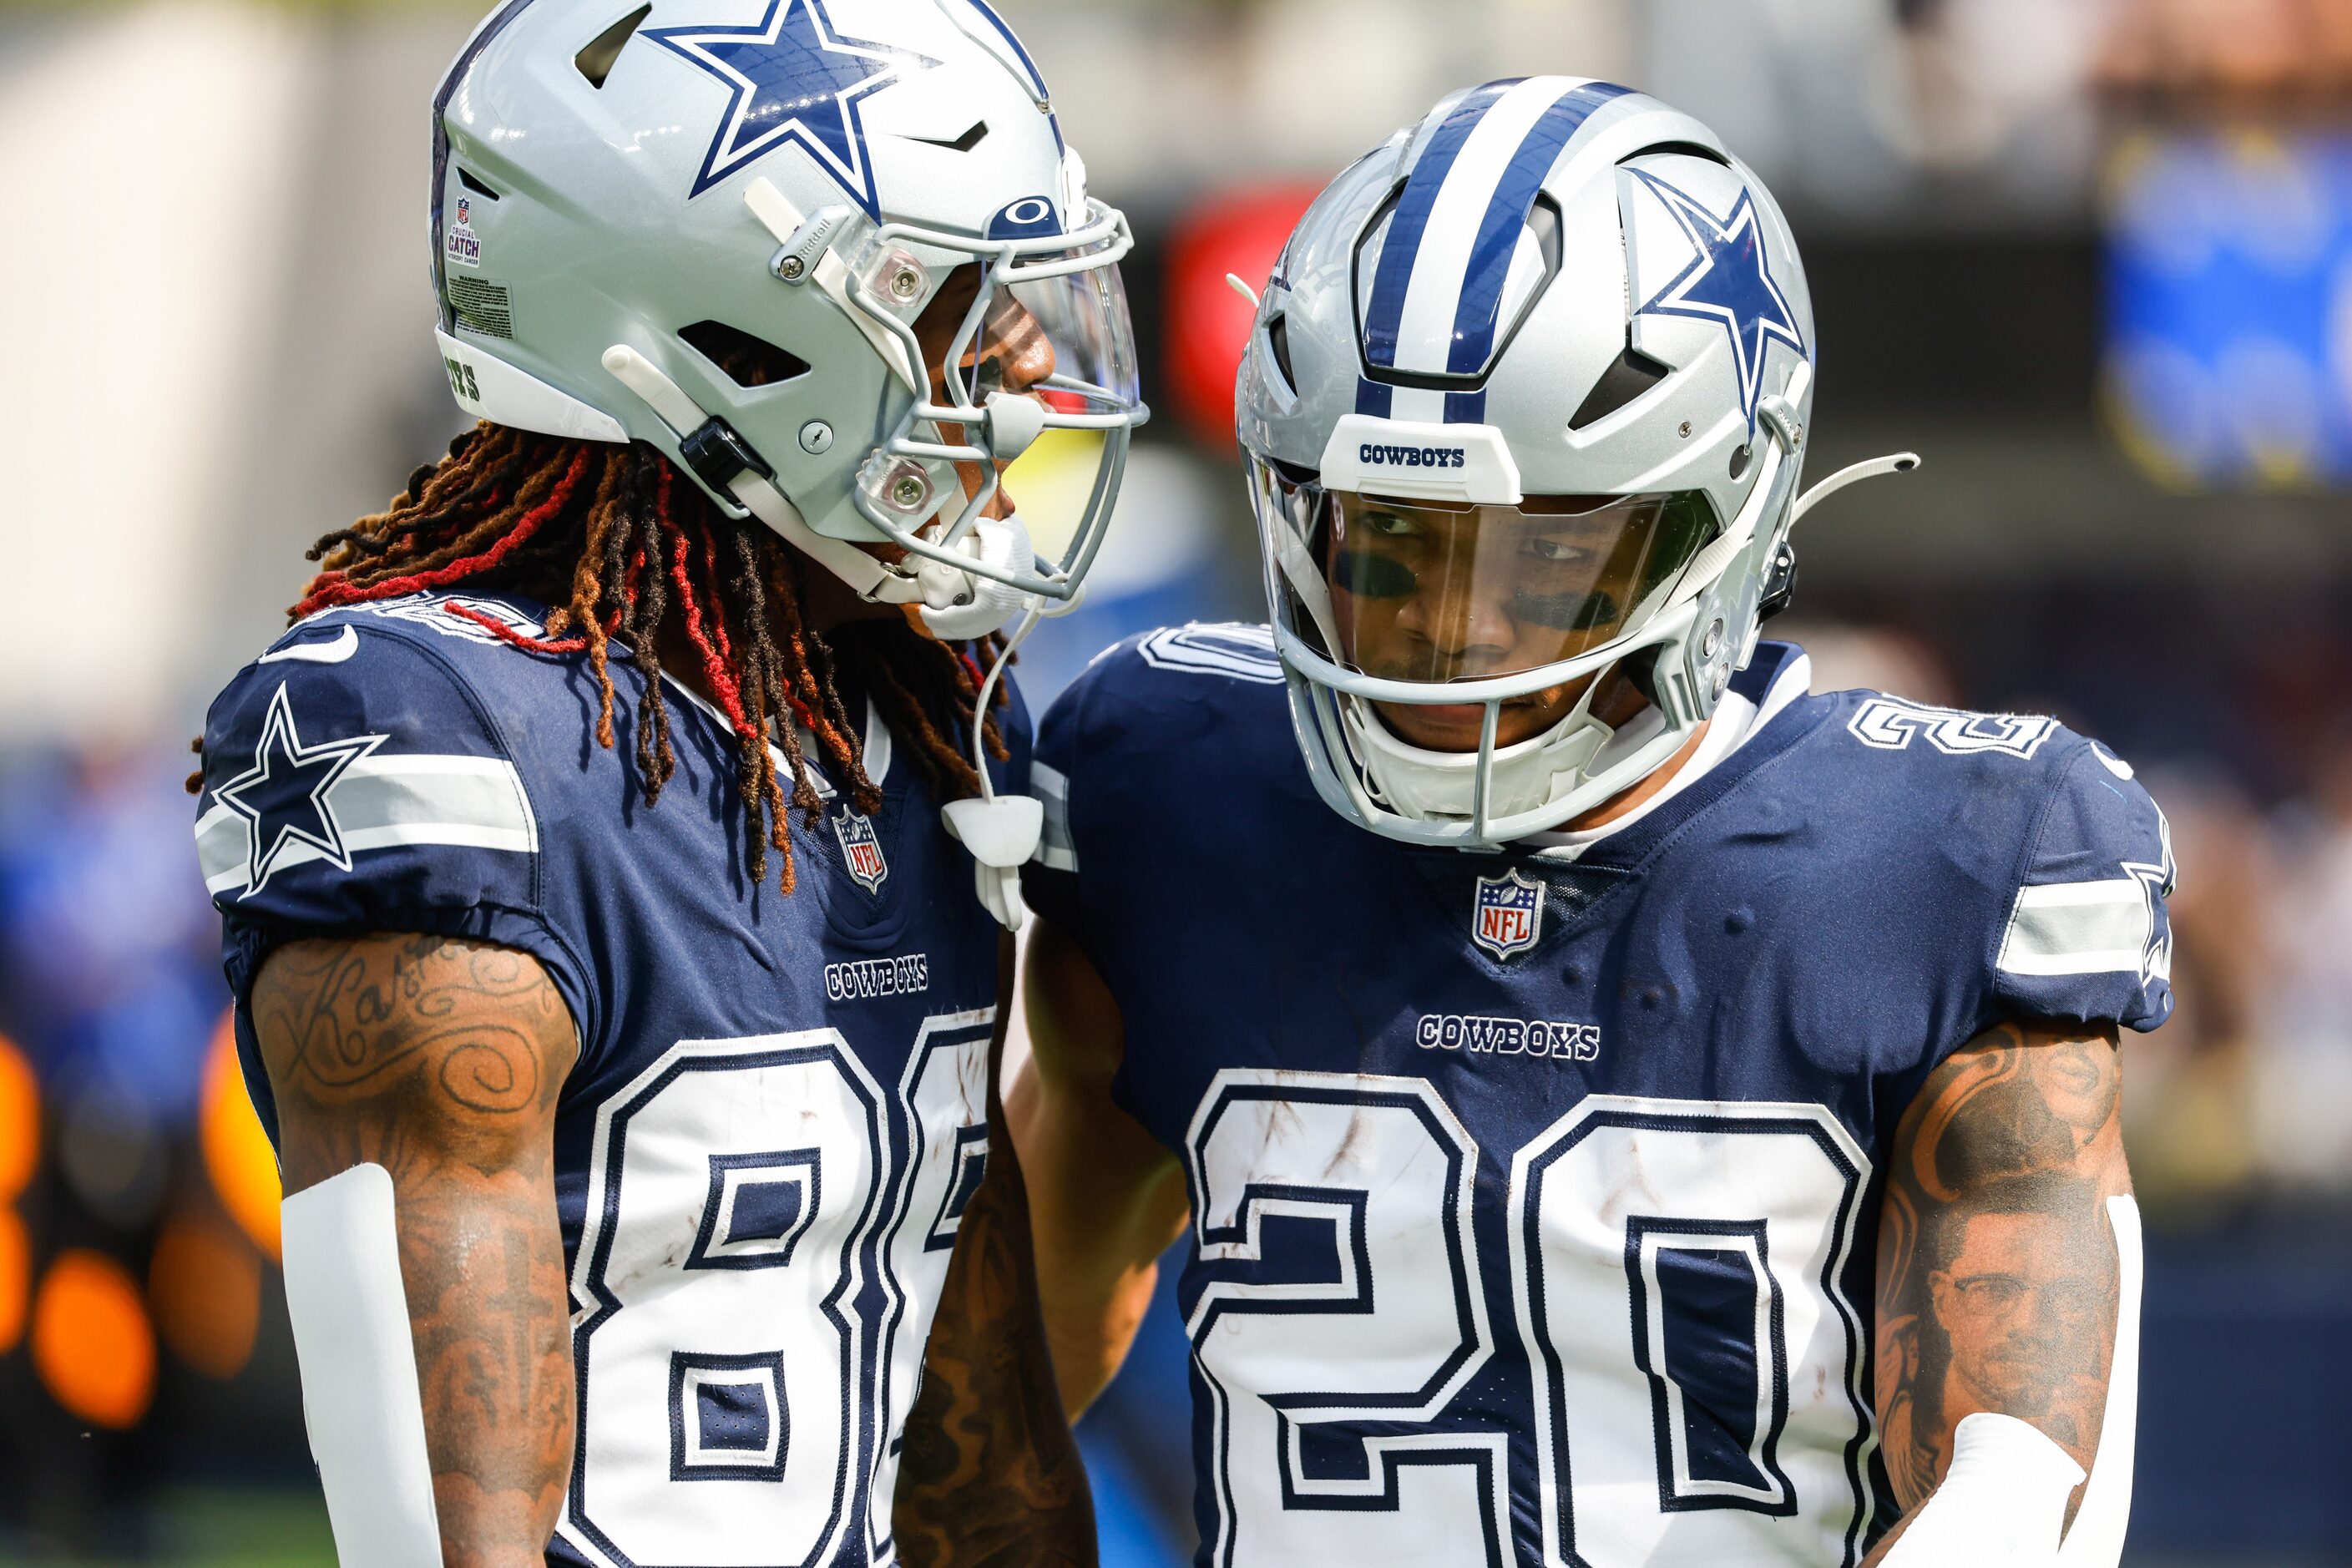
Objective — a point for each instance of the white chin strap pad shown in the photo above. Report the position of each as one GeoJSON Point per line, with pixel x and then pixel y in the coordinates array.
{"type": "Point", "coordinates": [959, 607]}
{"type": "Point", "coordinates": [360, 1397]}
{"type": "Point", "coordinates": [2002, 1501]}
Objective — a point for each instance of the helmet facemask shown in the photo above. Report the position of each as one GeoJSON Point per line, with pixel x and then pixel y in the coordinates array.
{"type": "Point", "coordinates": [1450, 664]}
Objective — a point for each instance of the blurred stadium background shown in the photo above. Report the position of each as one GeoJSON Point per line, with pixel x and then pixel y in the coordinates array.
{"type": "Point", "coordinates": [2092, 258]}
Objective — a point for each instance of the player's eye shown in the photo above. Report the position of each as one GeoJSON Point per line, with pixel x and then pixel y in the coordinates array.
{"type": "Point", "coordinates": [1388, 525]}
{"type": "Point", "coordinates": [1556, 551]}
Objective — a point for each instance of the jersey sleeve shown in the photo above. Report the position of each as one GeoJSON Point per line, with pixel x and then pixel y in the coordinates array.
{"type": "Point", "coordinates": [1049, 883]}
{"type": "Point", "coordinates": [2086, 936]}
{"type": "Point", "coordinates": [358, 783]}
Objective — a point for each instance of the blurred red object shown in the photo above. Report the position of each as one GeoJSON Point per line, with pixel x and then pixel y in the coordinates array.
{"type": "Point", "coordinates": [1207, 322]}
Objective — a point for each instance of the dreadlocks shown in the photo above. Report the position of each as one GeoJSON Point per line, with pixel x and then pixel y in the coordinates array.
{"type": "Point", "coordinates": [627, 549]}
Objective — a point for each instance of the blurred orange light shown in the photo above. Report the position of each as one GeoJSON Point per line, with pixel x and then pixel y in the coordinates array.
{"type": "Point", "coordinates": [204, 1285]}
{"type": "Point", "coordinates": [20, 1150]}
{"type": "Point", "coordinates": [92, 1343]}
{"type": "Point", "coordinates": [16, 1279]}
{"type": "Point", "coordinates": [237, 1155]}
{"type": "Point", "coordinates": [20, 1121]}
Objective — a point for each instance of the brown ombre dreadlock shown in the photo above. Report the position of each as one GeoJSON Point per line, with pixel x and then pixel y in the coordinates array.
{"type": "Point", "coordinates": [627, 548]}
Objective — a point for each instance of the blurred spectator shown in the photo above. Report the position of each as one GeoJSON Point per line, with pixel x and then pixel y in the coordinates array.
{"type": "Point", "coordinates": [2263, 51]}
{"type": "Point", "coordinates": [2303, 1084]}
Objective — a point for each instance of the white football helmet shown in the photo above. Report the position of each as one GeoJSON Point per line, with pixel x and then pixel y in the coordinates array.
{"type": "Point", "coordinates": [623, 190]}
{"type": "Point", "coordinates": [1525, 404]}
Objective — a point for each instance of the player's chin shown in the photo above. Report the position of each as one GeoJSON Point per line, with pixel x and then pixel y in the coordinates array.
{"type": "Point", "coordinates": [1458, 726]}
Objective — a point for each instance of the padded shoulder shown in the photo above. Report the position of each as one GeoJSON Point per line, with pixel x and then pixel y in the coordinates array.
{"type": "Point", "coordinates": [2088, 936]}
{"type": "Point", "coordinates": [358, 777]}
{"type": "Point", "coordinates": [2056, 827]}
{"type": "Point", "coordinates": [1146, 720]}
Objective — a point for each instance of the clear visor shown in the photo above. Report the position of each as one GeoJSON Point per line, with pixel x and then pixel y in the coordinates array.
{"type": "Point", "coordinates": [1031, 388]}
{"type": "Point", "coordinates": [1433, 593]}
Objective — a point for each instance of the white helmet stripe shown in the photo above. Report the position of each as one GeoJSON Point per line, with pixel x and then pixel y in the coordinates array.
{"type": "Point", "coordinates": [1424, 340]}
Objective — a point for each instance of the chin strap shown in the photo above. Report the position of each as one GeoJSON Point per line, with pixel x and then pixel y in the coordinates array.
{"type": "Point", "coordinates": [1000, 830]}
{"type": "Point", "coordinates": [1894, 463]}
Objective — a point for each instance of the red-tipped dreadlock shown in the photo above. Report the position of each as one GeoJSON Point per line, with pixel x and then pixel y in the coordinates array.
{"type": "Point", "coordinates": [627, 550]}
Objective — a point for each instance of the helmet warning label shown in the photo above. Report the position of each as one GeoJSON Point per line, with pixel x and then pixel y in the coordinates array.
{"type": "Point", "coordinates": [481, 308]}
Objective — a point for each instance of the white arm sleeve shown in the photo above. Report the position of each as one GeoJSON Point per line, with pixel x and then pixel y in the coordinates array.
{"type": "Point", "coordinates": [2097, 1538]}
{"type": "Point", "coordinates": [360, 1397]}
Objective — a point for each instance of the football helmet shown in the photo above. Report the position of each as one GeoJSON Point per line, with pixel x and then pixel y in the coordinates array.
{"type": "Point", "coordinates": [1524, 403]}
{"type": "Point", "coordinates": [623, 190]}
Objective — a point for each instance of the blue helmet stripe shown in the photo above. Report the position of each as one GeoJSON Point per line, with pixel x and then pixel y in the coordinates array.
{"type": "Point", "coordinates": [1467, 407]}
{"type": "Point", "coordinates": [1475, 317]}
{"type": "Point", "coordinates": [1374, 399]}
{"type": "Point", "coordinates": [483, 36]}
{"type": "Point", "coordinates": [1410, 221]}
{"type": "Point", "coordinates": [1036, 77]}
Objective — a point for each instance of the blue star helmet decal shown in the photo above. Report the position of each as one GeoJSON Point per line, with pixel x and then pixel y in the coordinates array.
{"type": "Point", "coordinates": [285, 796]}
{"type": "Point", "coordinates": [1729, 283]}
{"type": "Point", "coordinates": [791, 77]}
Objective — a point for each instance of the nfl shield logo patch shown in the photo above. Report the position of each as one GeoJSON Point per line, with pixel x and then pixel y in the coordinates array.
{"type": "Point", "coordinates": [861, 850]}
{"type": "Point", "coordinates": [1508, 915]}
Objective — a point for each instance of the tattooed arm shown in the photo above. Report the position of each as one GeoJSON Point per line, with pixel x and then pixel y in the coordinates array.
{"type": "Point", "coordinates": [1997, 1272]}
{"type": "Point", "coordinates": [990, 1476]}
{"type": "Point", "coordinates": [440, 1060]}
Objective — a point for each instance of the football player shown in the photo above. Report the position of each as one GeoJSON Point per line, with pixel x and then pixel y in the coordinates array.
{"type": "Point", "coordinates": [612, 856]}
{"type": "Point", "coordinates": [1623, 1108]}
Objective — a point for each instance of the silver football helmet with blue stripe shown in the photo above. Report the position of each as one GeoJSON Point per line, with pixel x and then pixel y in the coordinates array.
{"type": "Point", "coordinates": [623, 187]}
{"type": "Point", "coordinates": [1524, 408]}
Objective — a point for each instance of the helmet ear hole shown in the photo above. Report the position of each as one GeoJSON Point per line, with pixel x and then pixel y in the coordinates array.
{"type": "Point", "coordinates": [745, 359]}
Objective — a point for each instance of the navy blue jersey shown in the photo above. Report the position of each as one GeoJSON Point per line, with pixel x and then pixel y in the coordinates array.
{"type": "Point", "coordinates": [1534, 1196]}
{"type": "Point", "coordinates": [779, 1107]}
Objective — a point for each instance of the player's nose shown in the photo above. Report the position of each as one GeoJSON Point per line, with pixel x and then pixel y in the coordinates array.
{"type": "Point", "coordinates": [1020, 344]}
{"type": "Point", "coordinates": [1466, 626]}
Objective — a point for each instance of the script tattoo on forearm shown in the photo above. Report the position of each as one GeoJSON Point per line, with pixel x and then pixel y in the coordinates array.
{"type": "Point", "coordinates": [990, 1475]}
{"type": "Point", "coordinates": [1997, 1272]}
{"type": "Point", "coordinates": [441, 1060]}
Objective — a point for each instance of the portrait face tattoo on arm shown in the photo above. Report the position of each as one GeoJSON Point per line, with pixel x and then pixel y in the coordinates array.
{"type": "Point", "coordinates": [1999, 1285]}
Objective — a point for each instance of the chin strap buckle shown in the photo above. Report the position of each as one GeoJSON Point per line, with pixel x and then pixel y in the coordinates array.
{"type": "Point", "coordinates": [1002, 831]}
{"type": "Point", "coordinates": [1779, 582]}
{"type": "Point", "coordinates": [716, 454]}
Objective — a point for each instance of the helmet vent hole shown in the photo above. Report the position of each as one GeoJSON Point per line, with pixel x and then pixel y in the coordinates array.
{"type": "Point", "coordinates": [466, 177]}
{"type": "Point", "coordinates": [1277, 338]}
{"type": "Point", "coordinates": [1685, 149]}
{"type": "Point", "coordinates": [973, 137]}
{"type": "Point", "coordinates": [741, 358]}
{"type": "Point", "coordinates": [1630, 374]}
{"type": "Point", "coordinates": [596, 60]}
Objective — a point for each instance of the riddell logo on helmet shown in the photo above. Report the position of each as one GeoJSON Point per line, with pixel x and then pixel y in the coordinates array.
{"type": "Point", "coordinates": [1414, 456]}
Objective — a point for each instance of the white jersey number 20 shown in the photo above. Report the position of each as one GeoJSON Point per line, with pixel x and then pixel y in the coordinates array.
{"type": "Point", "coordinates": [1674, 1273]}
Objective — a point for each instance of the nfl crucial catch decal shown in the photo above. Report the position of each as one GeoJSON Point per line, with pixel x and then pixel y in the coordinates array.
{"type": "Point", "coordinates": [1507, 915]}
{"type": "Point", "coordinates": [462, 245]}
{"type": "Point", "coordinates": [861, 850]}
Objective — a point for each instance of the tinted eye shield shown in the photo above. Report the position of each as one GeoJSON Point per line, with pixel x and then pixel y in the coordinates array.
{"type": "Point", "coordinates": [1558, 565]}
